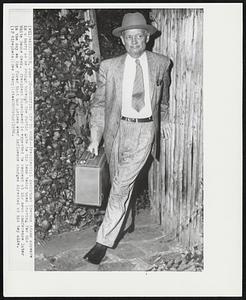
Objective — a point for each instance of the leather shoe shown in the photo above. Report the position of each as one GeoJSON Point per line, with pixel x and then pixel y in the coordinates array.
{"type": "Point", "coordinates": [96, 254]}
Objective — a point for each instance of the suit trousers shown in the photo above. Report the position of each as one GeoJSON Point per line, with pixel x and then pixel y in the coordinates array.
{"type": "Point", "coordinates": [130, 151]}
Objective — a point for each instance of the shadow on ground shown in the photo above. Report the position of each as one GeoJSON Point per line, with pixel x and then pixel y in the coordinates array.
{"type": "Point", "coordinates": [137, 251]}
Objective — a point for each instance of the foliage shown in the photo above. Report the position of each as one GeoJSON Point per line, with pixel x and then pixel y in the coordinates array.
{"type": "Point", "coordinates": [189, 260]}
{"type": "Point", "coordinates": [63, 65]}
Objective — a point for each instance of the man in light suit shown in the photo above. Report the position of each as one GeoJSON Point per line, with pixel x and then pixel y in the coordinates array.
{"type": "Point", "coordinates": [132, 97]}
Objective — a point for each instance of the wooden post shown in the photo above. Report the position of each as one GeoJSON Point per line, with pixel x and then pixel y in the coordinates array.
{"type": "Point", "coordinates": [80, 116]}
{"type": "Point", "coordinates": [180, 169]}
{"type": "Point", "coordinates": [90, 15]}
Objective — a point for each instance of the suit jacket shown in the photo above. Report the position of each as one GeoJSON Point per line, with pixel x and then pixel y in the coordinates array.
{"type": "Point", "coordinates": [107, 102]}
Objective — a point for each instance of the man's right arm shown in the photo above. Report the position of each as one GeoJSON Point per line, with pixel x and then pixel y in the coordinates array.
{"type": "Point", "coordinates": [98, 111]}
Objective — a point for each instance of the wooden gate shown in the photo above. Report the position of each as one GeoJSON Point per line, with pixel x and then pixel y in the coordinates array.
{"type": "Point", "coordinates": [176, 182]}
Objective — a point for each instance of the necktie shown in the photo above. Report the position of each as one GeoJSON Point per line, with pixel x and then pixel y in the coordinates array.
{"type": "Point", "coordinates": [138, 88]}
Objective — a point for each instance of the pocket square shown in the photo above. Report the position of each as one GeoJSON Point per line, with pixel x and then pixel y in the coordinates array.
{"type": "Point", "coordinates": [159, 82]}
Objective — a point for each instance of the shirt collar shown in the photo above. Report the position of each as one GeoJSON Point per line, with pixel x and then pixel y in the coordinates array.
{"type": "Point", "coordinates": [141, 58]}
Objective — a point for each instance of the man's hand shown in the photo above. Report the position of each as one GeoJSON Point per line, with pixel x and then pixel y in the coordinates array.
{"type": "Point", "coordinates": [93, 148]}
{"type": "Point", "coordinates": [166, 130]}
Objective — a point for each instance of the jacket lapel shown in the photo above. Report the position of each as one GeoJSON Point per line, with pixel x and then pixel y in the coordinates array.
{"type": "Point", "coordinates": [119, 71]}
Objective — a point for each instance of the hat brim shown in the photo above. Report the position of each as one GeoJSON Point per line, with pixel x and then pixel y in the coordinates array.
{"type": "Point", "coordinates": [118, 31]}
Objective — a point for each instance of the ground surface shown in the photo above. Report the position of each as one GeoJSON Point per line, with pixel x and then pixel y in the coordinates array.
{"type": "Point", "coordinates": [138, 251]}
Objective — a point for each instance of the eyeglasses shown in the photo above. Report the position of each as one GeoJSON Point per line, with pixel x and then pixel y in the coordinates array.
{"type": "Point", "coordinates": [139, 36]}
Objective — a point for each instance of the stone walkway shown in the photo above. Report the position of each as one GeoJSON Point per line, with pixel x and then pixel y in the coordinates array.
{"type": "Point", "coordinates": [135, 252]}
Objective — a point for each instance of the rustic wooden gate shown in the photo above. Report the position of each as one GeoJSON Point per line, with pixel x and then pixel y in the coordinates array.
{"type": "Point", "coordinates": [176, 182]}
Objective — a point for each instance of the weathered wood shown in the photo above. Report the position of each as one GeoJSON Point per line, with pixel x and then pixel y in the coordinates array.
{"type": "Point", "coordinates": [90, 15]}
{"type": "Point", "coordinates": [81, 118]}
{"type": "Point", "coordinates": [176, 182]}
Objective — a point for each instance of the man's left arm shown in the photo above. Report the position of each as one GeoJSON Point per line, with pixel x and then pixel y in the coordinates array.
{"type": "Point", "coordinates": [164, 106]}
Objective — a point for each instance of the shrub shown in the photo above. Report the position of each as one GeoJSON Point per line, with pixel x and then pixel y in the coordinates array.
{"type": "Point", "coordinates": [63, 63]}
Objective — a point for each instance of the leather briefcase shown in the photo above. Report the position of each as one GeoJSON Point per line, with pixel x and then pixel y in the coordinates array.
{"type": "Point", "coordinates": [92, 181]}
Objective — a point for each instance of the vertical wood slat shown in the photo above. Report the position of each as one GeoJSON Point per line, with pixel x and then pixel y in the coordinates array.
{"type": "Point", "coordinates": [80, 117]}
{"type": "Point", "coordinates": [176, 182]}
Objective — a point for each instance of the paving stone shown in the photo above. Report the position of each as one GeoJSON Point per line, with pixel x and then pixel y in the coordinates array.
{"type": "Point", "coordinates": [42, 265]}
{"type": "Point", "coordinates": [144, 218]}
{"type": "Point", "coordinates": [144, 233]}
{"type": "Point", "coordinates": [167, 256]}
{"type": "Point", "coordinates": [153, 247]}
{"type": "Point", "coordinates": [140, 265]}
{"type": "Point", "coordinates": [74, 261]}
{"type": "Point", "coordinates": [87, 267]}
{"type": "Point", "coordinates": [127, 251]}
{"type": "Point", "coordinates": [65, 263]}
{"type": "Point", "coordinates": [67, 241]}
{"type": "Point", "coordinates": [112, 256]}
{"type": "Point", "coordinates": [136, 252]}
{"type": "Point", "coordinates": [116, 266]}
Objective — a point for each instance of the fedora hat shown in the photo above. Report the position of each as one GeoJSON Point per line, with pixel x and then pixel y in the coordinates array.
{"type": "Point", "coordinates": [133, 21]}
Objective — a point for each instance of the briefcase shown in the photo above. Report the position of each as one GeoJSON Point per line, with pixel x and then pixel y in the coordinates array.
{"type": "Point", "coordinates": [92, 181]}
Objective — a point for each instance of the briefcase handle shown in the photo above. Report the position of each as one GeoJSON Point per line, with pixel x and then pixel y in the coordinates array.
{"type": "Point", "coordinates": [87, 155]}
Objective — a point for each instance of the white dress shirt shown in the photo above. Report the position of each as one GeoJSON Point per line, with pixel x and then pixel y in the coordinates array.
{"type": "Point", "coordinates": [127, 88]}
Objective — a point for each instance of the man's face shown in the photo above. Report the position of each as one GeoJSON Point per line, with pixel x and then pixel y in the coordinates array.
{"type": "Point", "coordinates": [135, 41]}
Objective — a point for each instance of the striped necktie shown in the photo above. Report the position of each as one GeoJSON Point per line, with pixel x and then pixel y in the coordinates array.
{"type": "Point", "coordinates": [138, 88]}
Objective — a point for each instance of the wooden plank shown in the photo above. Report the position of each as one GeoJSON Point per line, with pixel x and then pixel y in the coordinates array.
{"type": "Point", "coordinates": [180, 169]}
